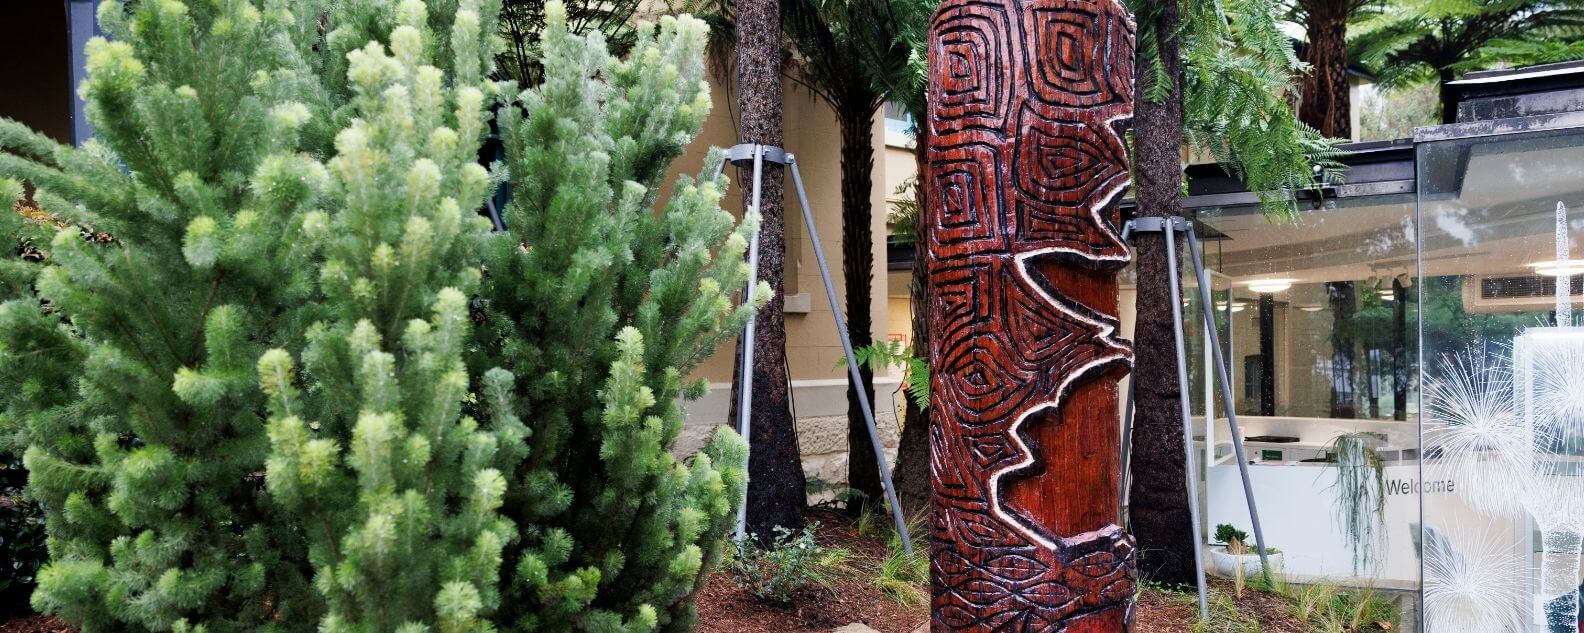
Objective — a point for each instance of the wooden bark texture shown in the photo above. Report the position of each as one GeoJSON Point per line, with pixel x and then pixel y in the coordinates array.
{"type": "Point", "coordinates": [1027, 106]}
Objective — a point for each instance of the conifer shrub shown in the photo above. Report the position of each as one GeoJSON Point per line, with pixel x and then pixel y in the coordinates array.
{"type": "Point", "coordinates": [306, 388]}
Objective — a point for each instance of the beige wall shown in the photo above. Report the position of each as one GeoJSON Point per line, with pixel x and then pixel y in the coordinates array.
{"type": "Point", "coordinates": [813, 348]}
{"type": "Point", "coordinates": [812, 135]}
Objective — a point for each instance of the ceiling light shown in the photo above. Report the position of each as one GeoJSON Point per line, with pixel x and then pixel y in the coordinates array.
{"type": "Point", "coordinates": [1559, 267]}
{"type": "Point", "coordinates": [1268, 286]}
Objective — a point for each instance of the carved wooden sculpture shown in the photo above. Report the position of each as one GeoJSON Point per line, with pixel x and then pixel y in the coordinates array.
{"type": "Point", "coordinates": [1027, 103]}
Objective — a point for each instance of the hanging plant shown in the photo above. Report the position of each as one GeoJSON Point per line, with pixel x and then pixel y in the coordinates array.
{"type": "Point", "coordinates": [1360, 500]}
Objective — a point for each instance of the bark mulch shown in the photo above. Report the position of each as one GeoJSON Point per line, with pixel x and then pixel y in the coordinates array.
{"type": "Point", "coordinates": [35, 624]}
{"type": "Point", "coordinates": [1159, 611]}
{"type": "Point", "coordinates": [723, 607]}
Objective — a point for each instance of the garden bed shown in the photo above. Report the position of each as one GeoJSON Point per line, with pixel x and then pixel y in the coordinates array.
{"type": "Point", "coordinates": [846, 598]}
{"type": "Point", "coordinates": [852, 593]}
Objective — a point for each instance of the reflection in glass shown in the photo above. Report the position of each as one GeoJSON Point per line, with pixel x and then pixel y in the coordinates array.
{"type": "Point", "coordinates": [1503, 428]}
{"type": "Point", "coordinates": [1320, 320]}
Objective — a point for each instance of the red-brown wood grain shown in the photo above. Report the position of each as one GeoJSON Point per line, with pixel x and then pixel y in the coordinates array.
{"type": "Point", "coordinates": [1027, 103]}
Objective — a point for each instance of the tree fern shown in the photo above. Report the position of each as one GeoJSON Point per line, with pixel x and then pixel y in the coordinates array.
{"type": "Point", "coordinates": [1239, 75]}
{"type": "Point", "coordinates": [882, 356]}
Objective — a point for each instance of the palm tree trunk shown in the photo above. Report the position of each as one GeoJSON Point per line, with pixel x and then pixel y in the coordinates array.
{"type": "Point", "coordinates": [1448, 95]}
{"type": "Point", "coordinates": [1159, 506]}
{"type": "Point", "coordinates": [1344, 303]}
{"type": "Point", "coordinates": [857, 181]}
{"type": "Point", "coordinates": [913, 448]}
{"type": "Point", "coordinates": [776, 484]}
{"type": "Point", "coordinates": [1326, 104]}
{"type": "Point", "coordinates": [1400, 365]}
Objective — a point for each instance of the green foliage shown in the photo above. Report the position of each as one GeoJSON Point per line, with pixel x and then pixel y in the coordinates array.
{"type": "Point", "coordinates": [903, 576]}
{"type": "Point", "coordinates": [779, 569]}
{"type": "Point", "coordinates": [1525, 52]}
{"type": "Point", "coordinates": [904, 214]}
{"type": "Point", "coordinates": [1225, 533]}
{"type": "Point", "coordinates": [397, 490]}
{"type": "Point", "coordinates": [909, 87]}
{"type": "Point", "coordinates": [1238, 85]}
{"type": "Point", "coordinates": [1332, 609]}
{"type": "Point", "coordinates": [881, 356]}
{"type": "Point", "coordinates": [1425, 40]}
{"type": "Point", "coordinates": [127, 364]}
{"type": "Point", "coordinates": [600, 306]}
{"type": "Point", "coordinates": [1360, 504]}
{"type": "Point", "coordinates": [1394, 113]}
{"type": "Point", "coordinates": [304, 388]}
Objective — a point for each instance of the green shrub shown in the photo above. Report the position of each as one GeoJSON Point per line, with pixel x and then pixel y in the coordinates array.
{"type": "Point", "coordinates": [1227, 534]}
{"type": "Point", "coordinates": [306, 388]}
{"type": "Point", "coordinates": [778, 570]}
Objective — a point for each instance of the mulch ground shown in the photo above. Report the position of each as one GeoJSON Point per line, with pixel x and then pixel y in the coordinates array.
{"type": "Point", "coordinates": [1161, 612]}
{"type": "Point", "coordinates": [723, 607]}
{"type": "Point", "coordinates": [35, 624]}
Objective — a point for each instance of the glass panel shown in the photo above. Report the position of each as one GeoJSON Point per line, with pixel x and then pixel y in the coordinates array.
{"type": "Point", "coordinates": [1323, 327]}
{"type": "Point", "coordinates": [1503, 382]}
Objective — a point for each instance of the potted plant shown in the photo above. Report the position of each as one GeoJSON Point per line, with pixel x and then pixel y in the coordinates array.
{"type": "Point", "coordinates": [1235, 557]}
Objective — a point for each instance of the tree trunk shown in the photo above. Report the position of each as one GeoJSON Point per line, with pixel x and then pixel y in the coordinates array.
{"type": "Point", "coordinates": [1159, 497]}
{"type": "Point", "coordinates": [776, 485]}
{"type": "Point", "coordinates": [1344, 303]}
{"type": "Point", "coordinates": [1326, 105]}
{"type": "Point", "coordinates": [1267, 354]}
{"type": "Point", "coordinates": [857, 180]}
{"type": "Point", "coordinates": [912, 474]}
{"type": "Point", "coordinates": [1400, 364]}
{"type": "Point", "coordinates": [1448, 95]}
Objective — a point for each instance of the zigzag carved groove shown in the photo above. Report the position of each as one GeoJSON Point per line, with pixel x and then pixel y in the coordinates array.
{"type": "Point", "coordinates": [1027, 103]}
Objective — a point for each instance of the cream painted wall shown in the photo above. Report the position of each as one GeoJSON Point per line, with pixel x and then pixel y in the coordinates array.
{"type": "Point", "coordinates": [812, 135]}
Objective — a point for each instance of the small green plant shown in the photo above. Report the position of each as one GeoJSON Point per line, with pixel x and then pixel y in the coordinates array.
{"type": "Point", "coordinates": [791, 562]}
{"type": "Point", "coordinates": [1332, 609]}
{"type": "Point", "coordinates": [901, 576]}
{"type": "Point", "coordinates": [1237, 541]}
{"type": "Point", "coordinates": [904, 212]}
{"type": "Point", "coordinates": [1312, 602]}
{"type": "Point", "coordinates": [880, 356]}
{"type": "Point", "coordinates": [1272, 584]}
{"type": "Point", "coordinates": [1224, 614]}
{"type": "Point", "coordinates": [1233, 538]}
{"type": "Point", "coordinates": [867, 521]}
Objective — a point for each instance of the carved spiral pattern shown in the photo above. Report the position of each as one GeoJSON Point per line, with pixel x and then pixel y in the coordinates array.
{"type": "Point", "coordinates": [1027, 101]}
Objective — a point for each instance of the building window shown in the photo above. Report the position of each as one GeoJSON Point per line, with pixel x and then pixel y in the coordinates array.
{"type": "Point", "coordinates": [899, 125]}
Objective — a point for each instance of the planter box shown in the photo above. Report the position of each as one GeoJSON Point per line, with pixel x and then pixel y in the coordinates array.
{"type": "Point", "coordinates": [1225, 565]}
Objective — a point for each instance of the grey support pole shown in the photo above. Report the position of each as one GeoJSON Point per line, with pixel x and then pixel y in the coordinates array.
{"type": "Point", "coordinates": [745, 387]}
{"type": "Point", "coordinates": [1226, 398]}
{"type": "Point", "coordinates": [1187, 420]}
{"type": "Point", "coordinates": [852, 361]}
{"type": "Point", "coordinates": [759, 154]}
{"type": "Point", "coordinates": [1170, 226]}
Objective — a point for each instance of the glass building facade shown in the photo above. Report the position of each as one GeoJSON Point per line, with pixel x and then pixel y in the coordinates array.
{"type": "Point", "coordinates": [1407, 363]}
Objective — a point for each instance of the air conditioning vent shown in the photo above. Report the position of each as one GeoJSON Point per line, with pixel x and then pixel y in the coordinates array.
{"type": "Point", "coordinates": [1515, 293]}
